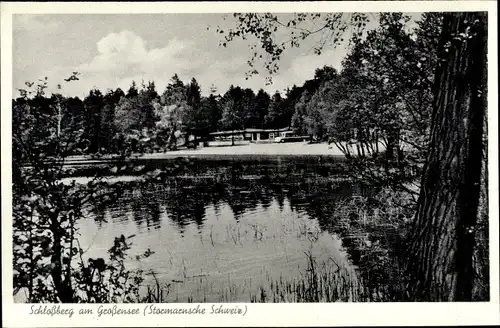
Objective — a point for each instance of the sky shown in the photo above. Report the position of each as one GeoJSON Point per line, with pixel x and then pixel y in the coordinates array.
{"type": "Point", "coordinates": [111, 51]}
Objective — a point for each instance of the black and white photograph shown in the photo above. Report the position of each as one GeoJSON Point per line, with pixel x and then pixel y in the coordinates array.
{"type": "Point", "coordinates": [251, 157]}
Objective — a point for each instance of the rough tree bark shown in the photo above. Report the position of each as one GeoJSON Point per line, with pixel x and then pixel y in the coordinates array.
{"type": "Point", "coordinates": [441, 252]}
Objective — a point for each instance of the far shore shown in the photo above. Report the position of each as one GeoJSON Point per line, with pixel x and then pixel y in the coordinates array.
{"type": "Point", "coordinates": [269, 150]}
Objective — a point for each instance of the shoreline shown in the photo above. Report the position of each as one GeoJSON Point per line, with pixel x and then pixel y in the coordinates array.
{"type": "Point", "coordinates": [239, 152]}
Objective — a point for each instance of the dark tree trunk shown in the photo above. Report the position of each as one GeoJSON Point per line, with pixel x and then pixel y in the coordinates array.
{"type": "Point", "coordinates": [63, 287]}
{"type": "Point", "coordinates": [96, 136]}
{"type": "Point", "coordinates": [391, 145]}
{"type": "Point", "coordinates": [172, 140]}
{"type": "Point", "coordinates": [440, 259]}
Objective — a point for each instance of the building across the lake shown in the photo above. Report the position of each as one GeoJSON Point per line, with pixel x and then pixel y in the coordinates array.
{"type": "Point", "coordinates": [249, 134]}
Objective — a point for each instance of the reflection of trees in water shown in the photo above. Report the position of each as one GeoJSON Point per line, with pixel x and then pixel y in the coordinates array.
{"type": "Point", "coordinates": [136, 209]}
{"type": "Point", "coordinates": [145, 210]}
{"type": "Point", "coordinates": [372, 246]}
{"type": "Point", "coordinates": [266, 198]}
{"type": "Point", "coordinates": [280, 198]}
{"type": "Point", "coordinates": [186, 203]}
{"type": "Point", "coordinates": [186, 199]}
{"type": "Point", "coordinates": [242, 198]}
{"type": "Point", "coordinates": [307, 188]}
{"type": "Point", "coordinates": [242, 186]}
{"type": "Point", "coordinates": [199, 213]}
{"type": "Point", "coordinates": [98, 215]}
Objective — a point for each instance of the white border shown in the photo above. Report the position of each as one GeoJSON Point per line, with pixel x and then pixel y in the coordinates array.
{"type": "Point", "coordinates": [341, 314]}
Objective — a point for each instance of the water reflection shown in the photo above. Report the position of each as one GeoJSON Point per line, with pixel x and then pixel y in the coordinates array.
{"type": "Point", "coordinates": [216, 224]}
{"type": "Point", "coordinates": [186, 200]}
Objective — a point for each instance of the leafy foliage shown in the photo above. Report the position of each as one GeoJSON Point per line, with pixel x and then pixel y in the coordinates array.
{"type": "Point", "coordinates": [329, 27]}
{"type": "Point", "coordinates": [382, 112]}
{"type": "Point", "coordinates": [49, 264]}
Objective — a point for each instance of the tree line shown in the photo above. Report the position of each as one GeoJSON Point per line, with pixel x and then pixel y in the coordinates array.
{"type": "Point", "coordinates": [381, 96]}
{"type": "Point", "coordinates": [426, 92]}
{"type": "Point", "coordinates": [151, 121]}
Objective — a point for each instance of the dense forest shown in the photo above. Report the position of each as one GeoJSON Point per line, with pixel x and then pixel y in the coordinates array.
{"type": "Point", "coordinates": [384, 86]}
{"type": "Point", "coordinates": [427, 91]}
{"type": "Point", "coordinates": [155, 121]}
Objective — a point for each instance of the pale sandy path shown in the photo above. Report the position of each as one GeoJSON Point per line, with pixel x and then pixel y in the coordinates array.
{"type": "Point", "coordinates": [299, 149]}
{"type": "Point", "coordinates": [250, 150]}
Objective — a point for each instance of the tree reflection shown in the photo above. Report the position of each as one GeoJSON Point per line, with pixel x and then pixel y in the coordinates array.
{"type": "Point", "coordinates": [242, 186]}
{"type": "Point", "coordinates": [154, 214]}
{"type": "Point", "coordinates": [305, 187]}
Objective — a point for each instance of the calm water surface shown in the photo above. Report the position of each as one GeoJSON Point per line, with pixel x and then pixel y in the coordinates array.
{"type": "Point", "coordinates": [219, 231]}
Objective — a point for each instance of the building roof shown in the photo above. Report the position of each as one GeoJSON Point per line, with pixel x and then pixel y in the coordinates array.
{"type": "Point", "coordinates": [248, 130]}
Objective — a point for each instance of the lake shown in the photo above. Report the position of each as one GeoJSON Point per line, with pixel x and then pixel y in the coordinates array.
{"type": "Point", "coordinates": [233, 231]}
